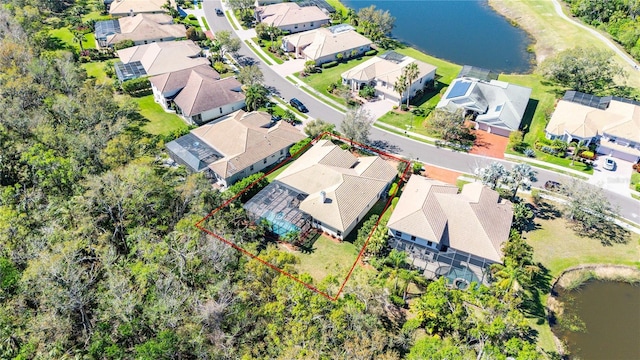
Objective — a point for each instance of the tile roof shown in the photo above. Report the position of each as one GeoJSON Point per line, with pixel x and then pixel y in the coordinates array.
{"type": "Point", "coordinates": [162, 57]}
{"type": "Point", "coordinates": [202, 93]}
{"type": "Point", "coordinates": [176, 80]}
{"type": "Point", "coordinates": [475, 221]}
{"type": "Point", "coordinates": [619, 119]}
{"type": "Point", "coordinates": [321, 42]}
{"type": "Point", "coordinates": [380, 68]}
{"type": "Point", "coordinates": [244, 139]}
{"type": "Point", "coordinates": [290, 13]}
{"type": "Point", "coordinates": [125, 7]}
{"type": "Point", "coordinates": [350, 183]}
{"type": "Point", "coordinates": [147, 27]}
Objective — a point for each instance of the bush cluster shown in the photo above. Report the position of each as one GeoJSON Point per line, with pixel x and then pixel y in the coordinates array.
{"type": "Point", "coordinates": [329, 64]}
{"type": "Point", "coordinates": [371, 52]}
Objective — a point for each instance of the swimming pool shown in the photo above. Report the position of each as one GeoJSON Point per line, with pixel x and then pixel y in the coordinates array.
{"type": "Point", "coordinates": [280, 227]}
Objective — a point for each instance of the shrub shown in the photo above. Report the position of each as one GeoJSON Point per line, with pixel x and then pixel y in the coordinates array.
{"type": "Point", "coordinates": [402, 166]}
{"type": "Point", "coordinates": [393, 190]}
{"type": "Point", "coordinates": [417, 167]}
{"type": "Point", "coordinates": [404, 107]}
{"type": "Point", "coordinates": [530, 153]}
{"type": "Point", "coordinates": [136, 86]}
{"type": "Point", "coordinates": [367, 92]}
{"type": "Point", "coordinates": [123, 44]}
{"type": "Point", "coordinates": [587, 155]}
{"type": "Point", "coordinates": [298, 146]}
{"type": "Point", "coordinates": [636, 167]}
{"type": "Point", "coordinates": [535, 196]}
{"type": "Point", "coordinates": [339, 56]}
{"type": "Point", "coordinates": [195, 34]}
{"type": "Point", "coordinates": [236, 188]}
{"type": "Point", "coordinates": [220, 67]}
{"type": "Point", "coordinates": [549, 150]}
{"type": "Point", "coordinates": [394, 202]}
{"type": "Point", "coordinates": [329, 64]}
{"type": "Point", "coordinates": [638, 187]}
{"type": "Point", "coordinates": [191, 17]}
{"type": "Point", "coordinates": [332, 87]}
{"type": "Point", "coordinates": [371, 52]}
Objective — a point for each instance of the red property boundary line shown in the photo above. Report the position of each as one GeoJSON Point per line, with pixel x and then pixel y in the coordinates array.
{"type": "Point", "coordinates": [281, 271]}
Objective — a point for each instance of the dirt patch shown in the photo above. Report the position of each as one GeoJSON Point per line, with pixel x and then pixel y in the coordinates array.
{"type": "Point", "coordinates": [444, 175]}
{"type": "Point", "coordinates": [570, 277]}
{"type": "Point", "coordinates": [491, 145]}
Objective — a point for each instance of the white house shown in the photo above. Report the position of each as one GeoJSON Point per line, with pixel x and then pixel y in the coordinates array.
{"type": "Point", "coordinates": [611, 122]}
{"type": "Point", "coordinates": [383, 71]}
{"type": "Point", "coordinates": [324, 44]}
{"type": "Point", "coordinates": [498, 106]}
{"type": "Point", "coordinates": [235, 147]}
{"type": "Point", "coordinates": [118, 8]}
{"type": "Point", "coordinates": [292, 18]}
{"type": "Point", "coordinates": [141, 29]}
{"type": "Point", "coordinates": [337, 188]}
{"type": "Point", "coordinates": [434, 215]}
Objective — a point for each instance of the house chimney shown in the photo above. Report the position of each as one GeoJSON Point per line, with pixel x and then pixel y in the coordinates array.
{"type": "Point", "coordinates": [323, 196]}
{"type": "Point", "coordinates": [130, 12]}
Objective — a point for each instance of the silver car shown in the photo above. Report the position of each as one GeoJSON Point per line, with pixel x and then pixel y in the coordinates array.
{"type": "Point", "coordinates": [609, 163]}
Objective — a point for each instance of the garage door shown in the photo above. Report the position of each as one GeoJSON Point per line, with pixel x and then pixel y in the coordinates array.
{"type": "Point", "coordinates": [618, 154]}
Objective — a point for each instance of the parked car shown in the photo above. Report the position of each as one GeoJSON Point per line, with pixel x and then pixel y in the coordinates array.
{"type": "Point", "coordinates": [298, 105]}
{"type": "Point", "coordinates": [609, 163]}
{"type": "Point", "coordinates": [219, 12]}
{"type": "Point", "coordinates": [553, 186]}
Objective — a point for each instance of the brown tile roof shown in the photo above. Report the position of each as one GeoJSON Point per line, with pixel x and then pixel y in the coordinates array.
{"type": "Point", "coordinates": [147, 27]}
{"type": "Point", "coordinates": [290, 13]}
{"type": "Point", "coordinates": [244, 139]}
{"type": "Point", "coordinates": [162, 57]}
{"type": "Point", "coordinates": [349, 183]}
{"type": "Point", "coordinates": [322, 42]}
{"type": "Point", "coordinates": [124, 7]}
{"type": "Point", "coordinates": [474, 221]}
{"type": "Point", "coordinates": [202, 93]}
{"type": "Point", "coordinates": [379, 68]}
{"type": "Point", "coordinates": [176, 80]}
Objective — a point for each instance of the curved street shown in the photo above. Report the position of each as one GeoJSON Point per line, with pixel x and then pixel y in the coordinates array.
{"type": "Point", "coordinates": [429, 154]}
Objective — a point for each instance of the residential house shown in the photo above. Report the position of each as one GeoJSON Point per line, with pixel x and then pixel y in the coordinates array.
{"type": "Point", "coordinates": [158, 58]}
{"type": "Point", "coordinates": [119, 8]}
{"type": "Point", "coordinates": [324, 44]}
{"type": "Point", "coordinates": [611, 122]}
{"type": "Point", "coordinates": [291, 18]}
{"type": "Point", "coordinates": [141, 29]}
{"type": "Point", "coordinates": [336, 188]}
{"type": "Point", "coordinates": [498, 106]}
{"type": "Point", "coordinates": [433, 215]}
{"type": "Point", "coordinates": [383, 71]}
{"type": "Point", "coordinates": [235, 147]}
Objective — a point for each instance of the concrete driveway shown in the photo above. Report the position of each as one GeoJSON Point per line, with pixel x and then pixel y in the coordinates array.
{"type": "Point", "coordinates": [616, 180]}
{"type": "Point", "coordinates": [379, 107]}
{"type": "Point", "coordinates": [289, 67]}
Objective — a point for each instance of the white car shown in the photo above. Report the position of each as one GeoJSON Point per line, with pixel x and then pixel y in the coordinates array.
{"type": "Point", "coordinates": [609, 163]}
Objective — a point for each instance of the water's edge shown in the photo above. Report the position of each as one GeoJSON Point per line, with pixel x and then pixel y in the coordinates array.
{"type": "Point", "coordinates": [573, 277]}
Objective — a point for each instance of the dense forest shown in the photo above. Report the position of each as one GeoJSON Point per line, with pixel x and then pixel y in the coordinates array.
{"type": "Point", "coordinates": [617, 17]}
{"type": "Point", "coordinates": [100, 258]}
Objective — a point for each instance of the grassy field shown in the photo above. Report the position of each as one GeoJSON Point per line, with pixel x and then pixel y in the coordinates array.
{"type": "Point", "coordinates": [265, 47]}
{"type": "Point", "coordinates": [160, 122]}
{"type": "Point", "coordinates": [321, 81]}
{"type": "Point", "coordinates": [553, 33]}
{"type": "Point", "coordinates": [558, 247]}
{"type": "Point", "coordinates": [635, 179]}
{"type": "Point", "coordinates": [65, 35]}
{"type": "Point", "coordinates": [327, 257]}
{"type": "Point", "coordinates": [96, 70]}
{"type": "Point", "coordinates": [338, 6]}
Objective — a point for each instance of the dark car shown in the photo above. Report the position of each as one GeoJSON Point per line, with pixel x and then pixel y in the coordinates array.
{"type": "Point", "coordinates": [219, 12]}
{"type": "Point", "coordinates": [298, 105]}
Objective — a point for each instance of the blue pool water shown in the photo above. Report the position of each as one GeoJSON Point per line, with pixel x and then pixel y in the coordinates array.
{"type": "Point", "coordinates": [281, 227]}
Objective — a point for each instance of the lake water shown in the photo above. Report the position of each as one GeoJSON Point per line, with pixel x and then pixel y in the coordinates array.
{"type": "Point", "coordinates": [610, 312]}
{"type": "Point", "coordinates": [466, 32]}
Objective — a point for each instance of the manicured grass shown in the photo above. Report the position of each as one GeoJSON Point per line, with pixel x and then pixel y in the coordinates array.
{"type": "Point", "coordinates": [66, 36]}
{"type": "Point", "coordinates": [253, 48]}
{"type": "Point", "coordinates": [558, 247]}
{"type": "Point", "coordinates": [160, 122]}
{"type": "Point", "coordinates": [382, 127]}
{"type": "Point", "coordinates": [95, 15]}
{"type": "Point", "coordinates": [553, 33]}
{"type": "Point", "coordinates": [327, 257]}
{"type": "Point", "coordinates": [635, 179]}
{"type": "Point", "coordinates": [204, 21]}
{"type": "Point", "coordinates": [96, 70]}
{"type": "Point", "coordinates": [336, 4]}
{"type": "Point", "coordinates": [315, 95]}
{"type": "Point", "coordinates": [230, 18]}
{"type": "Point", "coordinates": [291, 108]}
{"type": "Point", "coordinates": [277, 172]}
{"type": "Point", "coordinates": [320, 81]}
{"type": "Point", "coordinates": [265, 47]}
{"type": "Point", "coordinates": [446, 70]}
{"type": "Point", "coordinates": [406, 120]}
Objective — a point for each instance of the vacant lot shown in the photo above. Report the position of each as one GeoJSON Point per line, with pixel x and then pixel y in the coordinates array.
{"type": "Point", "coordinates": [327, 257]}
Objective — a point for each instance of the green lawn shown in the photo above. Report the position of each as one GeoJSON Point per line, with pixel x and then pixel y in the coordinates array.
{"type": "Point", "coordinates": [338, 6]}
{"type": "Point", "coordinates": [96, 70]}
{"type": "Point", "coordinates": [558, 247]}
{"type": "Point", "coordinates": [230, 18]}
{"type": "Point", "coordinates": [160, 122]}
{"type": "Point", "coordinates": [65, 35]}
{"type": "Point", "coordinates": [250, 44]}
{"type": "Point", "coordinates": [204, 21]}
{"type": "Point", "coordinates": [327, 257]}
{"type": "Point", "coordinates": [274, 174]}
{"type": "Point", "coordinates": [321, 81]}
{"type": "Point", "coordinates": [265, 47]}
{"type": "Point", "coordinates": [635, 179]}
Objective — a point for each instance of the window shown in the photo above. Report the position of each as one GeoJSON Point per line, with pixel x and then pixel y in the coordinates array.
{"type": "Point", "coordinates": [220, 110]}
{"type": "Point", "coordinates": [281, 151]}
{"type": "Point", "coordinates": [264, 161]}
{"type": "Point", "coordinates": [295, 27]}
{"type": "Point", "coordinates": [339, 233]}
{"type": "Point", "coordinates": [413, 238]}
{"type": "Point", "coordinates": [420, 80]}
{"type": "Point", "coordinates": [251, 168]}
{"type": "Point", "coordinates": [197, 117]}
{"type": "Point", "coordinates": [429, 243]}
{"type": "Point", "coordinates": [311, 24]}
{"type": "Point", "coordinates": [398, 233]}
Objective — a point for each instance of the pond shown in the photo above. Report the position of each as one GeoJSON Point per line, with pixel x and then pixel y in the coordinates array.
{"type": "Point", "coordinates": [601, 320]}
{"type": "Point", "coordinates": [464, 32]}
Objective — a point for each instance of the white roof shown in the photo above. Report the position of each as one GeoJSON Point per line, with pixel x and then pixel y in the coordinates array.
{"type": "Point", "coordinates": [382, 69]}
{"type": "Point", "coordinates": [159, 58]}
{"type": "Point", "coordinates": [290, 13]}
{"type": "Point", "coordinates": [326, 41]}
{"type": "Point", "coordinates": [126, 7]}
{"type": "Point", "coordinates": [147, 27]}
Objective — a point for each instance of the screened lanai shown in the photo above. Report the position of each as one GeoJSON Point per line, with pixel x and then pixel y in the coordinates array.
{"type": "Point", "coordinates": [279, 204]}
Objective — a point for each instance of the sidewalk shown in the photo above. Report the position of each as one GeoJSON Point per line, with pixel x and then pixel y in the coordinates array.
{"type": "Point", "coordinates": [535, 162]}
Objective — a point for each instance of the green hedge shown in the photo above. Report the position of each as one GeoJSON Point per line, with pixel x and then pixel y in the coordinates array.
{"type": "Point", "coordinates": [330, 64]}
{"type": "Point", "coordinates": [393, 190]}
{"type": "Point", "coordinates": [371, 52]}
{"type": "Point", "coordinates": [236, 188]}
{"type": "Point", "coordinates": [299, 145]}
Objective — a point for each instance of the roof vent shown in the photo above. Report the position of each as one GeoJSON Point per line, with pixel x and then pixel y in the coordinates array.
{"type": "Point", "coordinates": [323, 196]}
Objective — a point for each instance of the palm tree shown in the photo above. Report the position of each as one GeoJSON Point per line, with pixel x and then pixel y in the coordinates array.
{"type": "Point", "coordinates": [256, 96]}
{"type": "Point", "coordinates": [409, 277]}
{"type": "Point", "coordinates": [410, 72]}
{"type": "Point", "coordinates": [521, 175]}
{"type": "Point", "coordinates": [400, 86]}
{"type": "Point", "coordinates": [79, 37]}
{"type": "Point", "coordinates": [396, 259]}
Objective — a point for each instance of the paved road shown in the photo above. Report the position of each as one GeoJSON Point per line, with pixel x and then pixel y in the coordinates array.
{"type": "Point", "coordinates": [462, 162]}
